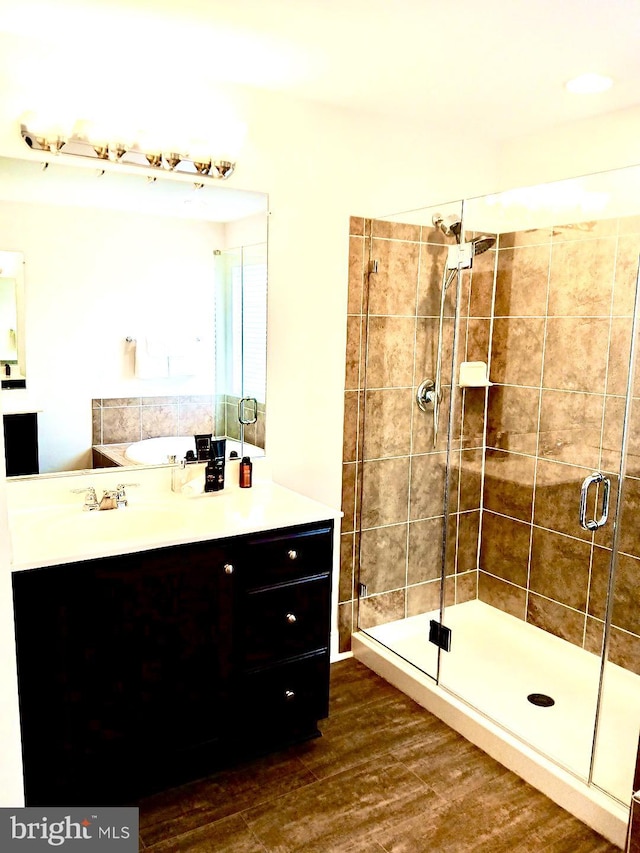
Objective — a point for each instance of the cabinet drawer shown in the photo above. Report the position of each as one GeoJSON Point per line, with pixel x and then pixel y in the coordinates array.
{"type": "Point", "coordinates": [285, 621]}
{"type": "Point", "coordinates": [281, 558]}
{"type": "Point", "coordinates": [284, 696]}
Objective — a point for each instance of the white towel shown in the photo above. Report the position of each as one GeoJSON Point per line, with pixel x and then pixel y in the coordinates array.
{"type": "Point", "coordinates": [151, 359]}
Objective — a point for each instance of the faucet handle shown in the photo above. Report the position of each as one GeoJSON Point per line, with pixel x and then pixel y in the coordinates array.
{"type": "Point", "coordinates": [90, 497]}
{"type": "Point", "coordinates": [121, 495]}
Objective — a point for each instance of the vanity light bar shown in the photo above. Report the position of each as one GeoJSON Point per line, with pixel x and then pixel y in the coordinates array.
{"type": "Point", "coordinates": [118, 153]}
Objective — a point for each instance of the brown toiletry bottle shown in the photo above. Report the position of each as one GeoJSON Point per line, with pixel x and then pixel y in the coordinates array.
{"type": "Point", "coordinates": [246, 467]}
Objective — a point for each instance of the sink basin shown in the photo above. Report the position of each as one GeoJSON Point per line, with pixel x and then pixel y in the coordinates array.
{"type": "Point", "coordinates": [57, 525]}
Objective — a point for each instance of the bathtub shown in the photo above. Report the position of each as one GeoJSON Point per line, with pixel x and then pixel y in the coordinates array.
{"type": "Point", "coordinates": [480, 633]}
{"type": "Point", "coordinates": [157, 451]}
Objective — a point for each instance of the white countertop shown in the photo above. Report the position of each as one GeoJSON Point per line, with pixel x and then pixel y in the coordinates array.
{"type": "Point", "coordinates": [59, 531]}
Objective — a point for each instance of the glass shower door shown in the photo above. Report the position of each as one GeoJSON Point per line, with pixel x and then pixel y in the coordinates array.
{"type": "Point", "coordinates": [527, 652]}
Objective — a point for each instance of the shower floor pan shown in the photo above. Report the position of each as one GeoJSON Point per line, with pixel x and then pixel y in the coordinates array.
{"type": "Point", "coordinates": [496, 661]}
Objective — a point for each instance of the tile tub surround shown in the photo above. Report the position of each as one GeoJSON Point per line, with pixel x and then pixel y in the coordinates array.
{"type": "Point", "coordinates": [123, 420]}
{"type": "Point", "coordinates": [548, 425]}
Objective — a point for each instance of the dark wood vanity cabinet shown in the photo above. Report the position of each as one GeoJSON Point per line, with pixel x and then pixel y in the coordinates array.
{"type": "Point", "coordinates": [141, 671]}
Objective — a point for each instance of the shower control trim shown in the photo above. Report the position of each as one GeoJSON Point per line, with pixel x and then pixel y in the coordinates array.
{"type": "Point", "coordinates": [592, 523]}
{"type": "Point", "coordinates": [426, 394]}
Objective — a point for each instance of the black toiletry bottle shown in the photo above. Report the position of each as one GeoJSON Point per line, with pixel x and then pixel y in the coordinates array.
{"type": "Point", "coordinates": [210, 477]}
{"type": "Point", "coordinates": [246, 468]}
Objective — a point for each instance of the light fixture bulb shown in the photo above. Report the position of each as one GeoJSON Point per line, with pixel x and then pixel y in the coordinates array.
{"type": "Point", "coordinates": [589, 84]}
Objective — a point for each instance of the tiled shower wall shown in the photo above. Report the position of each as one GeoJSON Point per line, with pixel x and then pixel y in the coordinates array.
{"type": "Point", "coordinates": [557, 329]}
{"type": "Point", "coordinates": [393, 476]}
{"type": "Point", "coordinates": [559, 358]}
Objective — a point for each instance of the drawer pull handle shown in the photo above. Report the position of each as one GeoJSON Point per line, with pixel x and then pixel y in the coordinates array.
{"type": "Point", "coordinates": [293, 555]}
{"type": "Point", "coordinates": [291, 618]}
{"type": "Point", "coordinates": [289, 695]}
{"type": "Point", "coordinates": [228, 569]}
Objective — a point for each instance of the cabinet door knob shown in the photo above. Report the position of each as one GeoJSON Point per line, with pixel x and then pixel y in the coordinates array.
{"type": "Point", "coordinates": [291, 618]}
{"type": "Point", "coordinates": [228, 569]}
{"type": "Point", "coordinates": [289, 695]}
{"type": "Point", "coordinates": [293, 555]}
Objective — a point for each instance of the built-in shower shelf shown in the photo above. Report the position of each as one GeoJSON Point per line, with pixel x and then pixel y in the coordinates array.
{"type": "Point", "coordinates": [474, 374]}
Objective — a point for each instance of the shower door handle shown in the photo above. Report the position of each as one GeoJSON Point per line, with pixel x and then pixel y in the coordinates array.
{"type": "Point", "coordinates": [592, 523]}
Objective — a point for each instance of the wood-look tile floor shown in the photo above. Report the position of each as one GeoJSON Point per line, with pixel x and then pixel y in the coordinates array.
{"type": "Point", "coordinates": [386, 776]}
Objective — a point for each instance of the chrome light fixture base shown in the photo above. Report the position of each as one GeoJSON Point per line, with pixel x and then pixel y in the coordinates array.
{"type": "Point", "coordinates": [172, 161]}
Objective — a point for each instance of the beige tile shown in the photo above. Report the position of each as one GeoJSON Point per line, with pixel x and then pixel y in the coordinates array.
{"type": "Point", "coordinates": [530, 237]}
{"type": "Point", "coordinates": [425, 550]}
{"type": "Point", "coordinates": [468, 533]}
{"type": "Point", "coordinates": [427, 485]}
{"type": "Point", "coordinates": [385, 492]}
{"type": "Point", "coordinates": [505, 596]}
{"type": "Point", "coordinates": [626, 274]}
{"type": "Point", "coordinates": [355, 329]}
{"type": "Point", "coordinates": [556, 619]}
{"type": "Point", "coordinates": [423, 598]}
{"type": "Point", "coordinates": [571, 426]}
{"type": "Point", "coordinates": [598, 587]}
{"type": "Point", "coordinates": [349, 472]}
{"type": "Point", "coordinates": [383, 558]}
{"type": "Point", "coordinates": [619, 354]}
{"type": "Point", "coordinates": [522, 280]}
{"type": "Point", "coordinates": [576, 354]}
{"type": "Point", "coordinates": [629, 528]}
{"type": "Point", "coordinates": [626, 614]}
{"type": "Point", "coordinates": [358, 257]}
{"type": "Point", "coordinates": [345, 626]}
{"type": "Point", "coordinates": [426, 357]}
{"type": "Point", "coordinates": [508, 484]}
{"type": "Point", "coordinates": [394, 230]}
{"type": "Point", "coordinates": [581, 279]}
{"type": "Point", "coordinates": [390, 351]}
{"type": "Point", "coordinates": [482, 285]}
{"type": "Point", "coordinates": [159, 420]}
{"type": "Point", "coordinates": [513, 418]}
{"type": "Point", "coordinates": [557, 497]}
{"type": "Point", "coordinates": [589, 230]}
{"type": "Point", "coordinates": [477, 341]}
{"type": "Point", "coordinates": [433, 260]}
{"type": "Point", "coordinates": [121, 425]}
{"type": "Point", "coordinates": [470, 480]}
{"type": "Point", "coordinates": [510, 563]}
{"type": "Point", "coordinates": [380, 609]}
{"type": "Point", "coordinates": [387, 423]}
{"type": "Point", "coordinates": [393, 289]}
{"type": "Point", "coordinates": [516, 351]}
{"type": "Point", "coordinates": [624, 650]}
{"type": "Point", "coordinates": [350, 429]}
{"type": "Point", "coordinates": [347, 565]}
{"type": "Point", "coordinates": [466, 587]}
{"type": "Point", "coordinates": [560, 568]}
{"type": "Point", "coordinates": [356, 226]}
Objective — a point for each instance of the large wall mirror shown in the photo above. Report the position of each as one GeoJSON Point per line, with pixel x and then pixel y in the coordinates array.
{"type": "Point", "coordinates": [144, 310]}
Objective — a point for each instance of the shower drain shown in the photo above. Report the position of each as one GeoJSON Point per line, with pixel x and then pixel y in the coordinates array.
{"type": "Point", "coordinates": [541, 700]}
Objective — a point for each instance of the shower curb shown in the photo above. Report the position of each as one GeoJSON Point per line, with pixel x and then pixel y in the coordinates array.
{"type": "Point", "coordinates": [590, 805]}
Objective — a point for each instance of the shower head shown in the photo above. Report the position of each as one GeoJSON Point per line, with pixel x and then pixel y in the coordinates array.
{"type": "Point", "coordinates": [449, 225]}
{"type": "Point", "coordinates": [482, 243]}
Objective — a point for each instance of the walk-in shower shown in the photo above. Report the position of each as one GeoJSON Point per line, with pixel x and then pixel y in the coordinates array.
{"type": "Point", "coordinates": [483, 529]}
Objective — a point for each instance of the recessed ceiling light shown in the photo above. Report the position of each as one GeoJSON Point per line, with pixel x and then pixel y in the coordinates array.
{"type": "Point", "coordinates": [589, 84]}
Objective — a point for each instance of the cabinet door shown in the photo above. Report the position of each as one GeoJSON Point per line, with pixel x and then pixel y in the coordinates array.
{"type": "Point", "coordinates": [122, 672]}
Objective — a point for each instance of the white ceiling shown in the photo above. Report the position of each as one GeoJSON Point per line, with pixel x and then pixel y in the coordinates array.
{"type": "Point", "coordinates": [493, 68]}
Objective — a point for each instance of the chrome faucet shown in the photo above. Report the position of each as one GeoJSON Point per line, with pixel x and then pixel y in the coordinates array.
{"type": "Point", "coordinates": [111, 498]}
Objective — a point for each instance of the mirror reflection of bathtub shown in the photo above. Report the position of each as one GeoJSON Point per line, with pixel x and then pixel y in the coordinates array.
{"type": "Point", "coordinates": [160, 451]}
